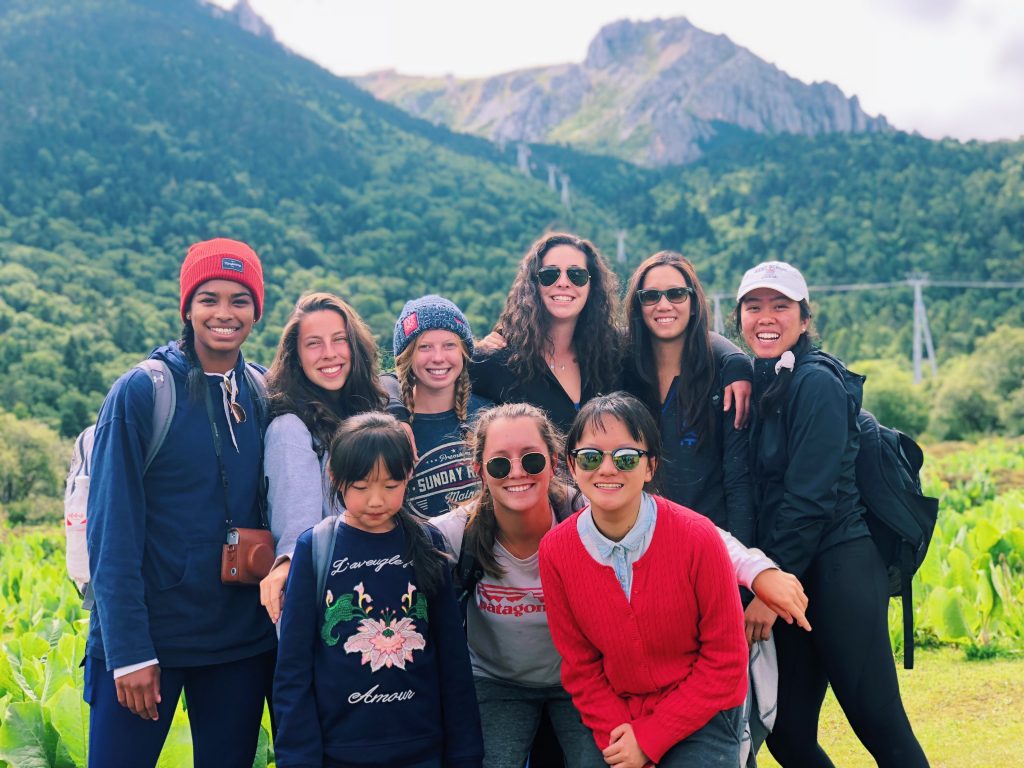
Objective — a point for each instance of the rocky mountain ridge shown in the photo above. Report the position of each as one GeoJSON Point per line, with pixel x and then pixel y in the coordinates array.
{"type": "Point", "coordinates": [653, 92]}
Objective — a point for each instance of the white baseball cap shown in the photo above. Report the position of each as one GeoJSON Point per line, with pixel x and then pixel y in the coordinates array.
{"type": "Point", "coordinates": [777, 275]}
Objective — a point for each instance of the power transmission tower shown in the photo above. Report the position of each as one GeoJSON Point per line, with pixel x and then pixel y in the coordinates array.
{"type": "Point", "coordinates": [552, 176]}
{"type": "Point", "coordinates": [921, 330]}
{"type": "Point", "coordinates": [719, 322]}
{"type": "Point", "coordinates": [523, 158]}
{"type": "Point", "coordinates": [566, 200]}
{"type": "Point", "coordinates": [621, 254]}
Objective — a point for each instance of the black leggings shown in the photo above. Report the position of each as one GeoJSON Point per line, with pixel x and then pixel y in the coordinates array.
{"type": "Point", "coordinates": [848, 606]}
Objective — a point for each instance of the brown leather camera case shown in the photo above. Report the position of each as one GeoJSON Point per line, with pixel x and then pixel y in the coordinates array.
{"type": "Point", "coordinates": [250, 560]}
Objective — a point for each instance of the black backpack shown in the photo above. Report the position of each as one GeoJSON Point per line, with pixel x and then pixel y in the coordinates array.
{"type": "Point", "coordinates": [900, 517]}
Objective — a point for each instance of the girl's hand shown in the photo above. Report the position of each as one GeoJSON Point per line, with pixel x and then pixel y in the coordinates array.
{"type": "Point", "coordinates": [758, 619]}
{"type": "Point", "coordinates": [739, 393]}
{"type": "Point", "coordinates": [139, 691]}
{"type": "Point", "coordinates": [623, 751]}
{"type": "Point", "coordinates": [782, 593]}
{"type": "Point", "coordinates": [272, 589]}
{"type": "Point", "coordinates": [492, 342]}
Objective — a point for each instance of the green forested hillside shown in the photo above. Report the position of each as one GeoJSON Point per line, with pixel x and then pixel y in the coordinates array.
{"type": "Point", "coordinates": [134, 127]}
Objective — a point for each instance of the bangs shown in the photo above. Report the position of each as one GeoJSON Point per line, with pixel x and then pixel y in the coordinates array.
{"type": "Point", "coordinates": [355, 456]}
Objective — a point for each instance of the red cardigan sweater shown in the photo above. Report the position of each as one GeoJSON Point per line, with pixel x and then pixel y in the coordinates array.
{"type": "Point", "coordinates": [665, 661]}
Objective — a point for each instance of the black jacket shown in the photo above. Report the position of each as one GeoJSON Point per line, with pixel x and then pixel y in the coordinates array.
{"type": "Point", "coordinates": [803, 455]}
{"type": "Point", "coordinates": [492, 378]}
{"type": "Point", "coordinates": [712, 478]}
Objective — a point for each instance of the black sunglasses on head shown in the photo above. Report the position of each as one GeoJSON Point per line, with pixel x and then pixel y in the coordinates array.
{"type": "Point", "coordinates": [532, 464]}
{"type": "Point", "coordinates": [624, 459]}
{"type": "Point", "coordinates": [548, 276]}
{"type": "Point", "coordinates": [648, 297]}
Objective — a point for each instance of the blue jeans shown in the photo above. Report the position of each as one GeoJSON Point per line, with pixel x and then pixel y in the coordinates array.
{"type": "Point", "coordinates": [510, 715]}
{"type": "Point", "coordinates": [716, 745]}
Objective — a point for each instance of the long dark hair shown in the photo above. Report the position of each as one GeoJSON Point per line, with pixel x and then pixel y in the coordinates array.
{"type": "Point", "coordinates": [777, 390]}
{"type": "Point", "coordinates": [290, 391]}
{"type": "Point", "coordinates": [622, 406]}
{"type": "Point", "coordinates": [696, 369]}
{"type": "Point", "coordinates": [365, 441]}
{"type": "Point", "coordinates": [525, 323]}
{"type": "Point", "coordinates": [194, 382]}
{"type": "Point", "coordinates": [482, 527]}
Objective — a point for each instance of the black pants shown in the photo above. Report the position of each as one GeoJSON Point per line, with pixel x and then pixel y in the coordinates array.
{"type": "Point", "coordinates": [849, 648]}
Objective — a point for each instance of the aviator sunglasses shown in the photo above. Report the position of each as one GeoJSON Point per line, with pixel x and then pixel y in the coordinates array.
{"type": "Point", "coordinates": [648, 297]}
{"type": "Point", "coordinates": [532, 464]}
{"type": "Point", "coordinates": [231, 387]}
{"type": "Point", "coordinates": [624, 459]}
{"type": "Point", "coordinates": [548, 276]}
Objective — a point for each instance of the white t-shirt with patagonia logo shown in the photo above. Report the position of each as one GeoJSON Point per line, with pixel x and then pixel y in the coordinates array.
{"type": "Point", "coordinates": [506, 622]}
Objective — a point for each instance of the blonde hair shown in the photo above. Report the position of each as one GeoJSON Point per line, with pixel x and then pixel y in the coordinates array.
{"type": "Point", "coordinates": [407, 382]}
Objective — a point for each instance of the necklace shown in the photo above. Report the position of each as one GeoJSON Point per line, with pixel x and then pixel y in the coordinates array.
{"type": "Point", "coordinates": [503, 540]}
{"type": "Point", "coordinates": [554, 365]}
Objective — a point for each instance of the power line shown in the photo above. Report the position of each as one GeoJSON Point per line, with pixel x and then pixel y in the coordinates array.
{"type": "Point", "coordinates": [923, 344]}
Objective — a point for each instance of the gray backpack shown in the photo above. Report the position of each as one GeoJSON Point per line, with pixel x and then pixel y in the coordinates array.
{"type": "Point", "coordinates": [76, 491]}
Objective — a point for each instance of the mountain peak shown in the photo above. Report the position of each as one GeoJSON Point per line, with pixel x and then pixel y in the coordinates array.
{"type": "Point", "coordinates": [654, 92]}
{"type": "Point", "coordinates": [245, 16]}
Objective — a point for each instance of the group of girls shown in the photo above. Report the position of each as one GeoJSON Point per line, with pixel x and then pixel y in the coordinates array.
{"type": "Point", "coordinates": [617, 612]}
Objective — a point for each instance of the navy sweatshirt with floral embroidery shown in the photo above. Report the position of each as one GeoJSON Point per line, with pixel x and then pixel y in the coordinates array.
{"type": "Point", "coordinates": [375, 673]}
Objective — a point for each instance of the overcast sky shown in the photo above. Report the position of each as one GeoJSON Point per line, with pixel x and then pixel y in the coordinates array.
{"type": "Point", "coordinates": [939, 67]}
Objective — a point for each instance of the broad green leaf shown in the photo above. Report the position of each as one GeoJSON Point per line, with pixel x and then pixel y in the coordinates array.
{"type": "Point", "coordinates": [69, 715]}
{"type": "Point", "coordinates": [178, 747]}
{"type": "Point", "coordinates": [11, 679]}
{"type": "Point", "coordinates": [25, 739]}
{"type": "Point", "coordinates": [961, 572]}
{"type": "Point", "coordinates": [61, 666]}
{"type": "Point", "coordinates": [262, 747]}
{"type": "Point", "coordinates": [985, 536]}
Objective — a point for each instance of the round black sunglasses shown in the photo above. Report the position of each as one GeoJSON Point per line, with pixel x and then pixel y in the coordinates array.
{"type": "Point", "coordinates": [532, 464]}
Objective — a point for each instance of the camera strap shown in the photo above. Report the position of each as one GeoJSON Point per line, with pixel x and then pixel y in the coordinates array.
{"type": "Point", "coordinates": [215, 432]}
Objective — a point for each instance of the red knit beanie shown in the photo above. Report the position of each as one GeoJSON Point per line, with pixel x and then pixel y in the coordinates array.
{"type": "Point", "coordinates": [221, 259]}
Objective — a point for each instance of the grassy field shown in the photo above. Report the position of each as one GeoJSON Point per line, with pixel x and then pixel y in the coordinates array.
{"type": "Point", "coordinates": [967, 714]}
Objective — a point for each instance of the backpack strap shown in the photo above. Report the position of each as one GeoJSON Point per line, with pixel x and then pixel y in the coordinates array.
{"type": "Point", "coordinates": [324, 534]}
{"type": "Point", "coordinates": [164, 400]}
{"type": "Point", "coordinates": [468, 573]}
{"type": "Point", "coordinates": [907, 567]}
{"type": "Point", "coordinates": [257, 381]}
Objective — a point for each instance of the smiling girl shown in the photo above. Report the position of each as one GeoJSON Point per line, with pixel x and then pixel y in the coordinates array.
{"type": "Point", "coordinates": [559, 327]}
{"type": "Point", "coordinates": [432, 346]}
{"type": "Point", "coordinates": [811, 521]}
{"type": "Point", "coordinates": [674, 367]}
{"type": "Point", "coordinates": [642, 605]}
{"type": "Point", "coordinates": [163, 621]}
{"type": "Point", "coordinates": [325, 370]}
{"type": "Point", "coordinates": [374, 672]}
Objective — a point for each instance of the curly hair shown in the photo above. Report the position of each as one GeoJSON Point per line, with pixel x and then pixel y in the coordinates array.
{"type": "Point", "coordinates": [525, 323]}
{"type": "Point", "coordinates": [291, 391]}
{"type": "Point", "coordinates": [697, 367]}
{"type": "Point", "coordinates": [407, 382]}
{"type": "Point", "coordinates": [482, 528]}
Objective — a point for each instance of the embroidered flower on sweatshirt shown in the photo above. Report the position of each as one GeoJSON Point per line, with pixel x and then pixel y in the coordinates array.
{"type": "Point", "coordinates": [386, 642]}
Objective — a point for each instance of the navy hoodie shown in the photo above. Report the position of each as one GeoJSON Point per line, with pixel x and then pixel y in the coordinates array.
{"type": "Point", "coordinates": [155, 540]}
{"type": "Point", "coordinates": [374, 673]}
